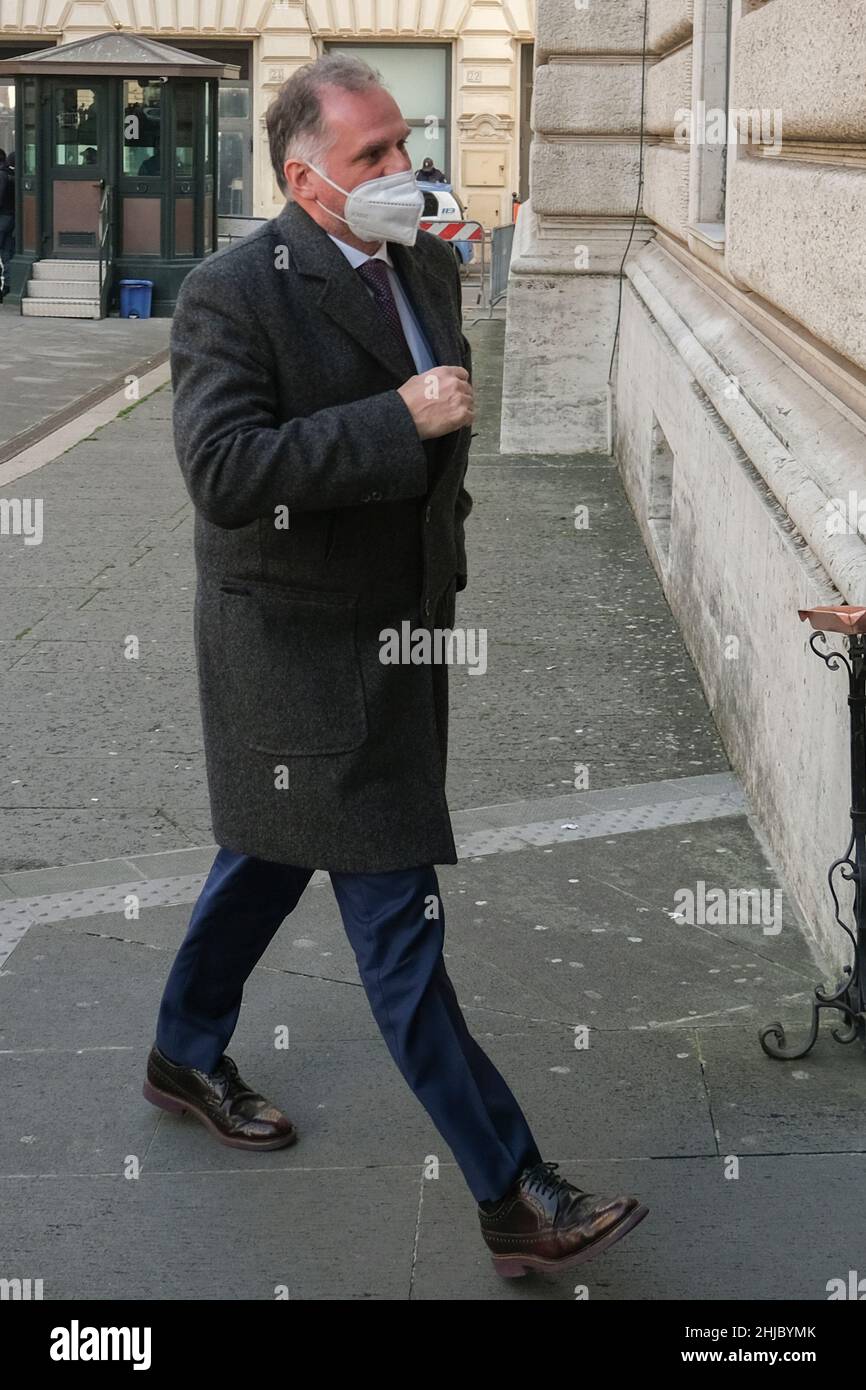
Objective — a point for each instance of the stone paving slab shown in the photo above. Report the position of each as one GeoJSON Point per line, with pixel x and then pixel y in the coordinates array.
{"type": "Point", "coordinates": [108, 1237]}
{"type": "Point", "coordinates": [237, 1235]}
{"type": "Point", "coordinates": [778, 1232]}
{"type": "Point", "coordinates": [111, 991]}
{"type": "Point", "coordinates": [58, 1050]}
{"type": "Point", "coordinates": [765, 1106]}
{"type": "Point", "coordinates": [170, 775]}
{"type": "Point", "coordinates": [92, 657]}
{"type": "Point", "coordinates": [49, 364]}
{"type": "Point", "coordinates": [347, 1098]}
{"type": "Point", "coordinates": [23, 608]}
{"type": "Point", "coordinates": [27, 836]}
{"type": "Point", "coordinates": [574, 928]}
{"type": "Point", "coordinates": [72, 1111]}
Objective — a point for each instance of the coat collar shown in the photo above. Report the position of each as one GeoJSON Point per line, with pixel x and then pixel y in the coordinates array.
{"type": "Point", "coordinates": [312, 253]}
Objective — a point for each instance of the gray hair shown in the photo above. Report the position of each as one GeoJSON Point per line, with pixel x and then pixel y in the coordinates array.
{"type": "Point", "coordinates": [296, 126]}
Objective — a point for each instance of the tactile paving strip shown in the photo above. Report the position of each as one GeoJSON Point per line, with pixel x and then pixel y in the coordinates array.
{"type": "Point", "coordinates": [18, 914]}
{"type": "Point", "coordinates": [594, 825]}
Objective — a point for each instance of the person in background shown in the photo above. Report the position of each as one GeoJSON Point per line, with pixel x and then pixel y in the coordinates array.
{"type": "Point", "coordinates": [7, 214]}
{"type": "Point", "coordinates": [429, 173]}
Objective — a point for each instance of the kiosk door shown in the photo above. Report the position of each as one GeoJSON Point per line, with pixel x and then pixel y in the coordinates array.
{"type": "Point", "coordinates": [77, 163]}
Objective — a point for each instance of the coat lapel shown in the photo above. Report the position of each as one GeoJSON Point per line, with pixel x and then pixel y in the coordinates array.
{"type": "Point", "coordinates": [344, 298]}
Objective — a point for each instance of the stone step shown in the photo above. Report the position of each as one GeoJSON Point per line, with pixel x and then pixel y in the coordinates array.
{"type": "Point", "coordinates": [66, 270]}
{"type": "Point", "coordinates": [60, 308]}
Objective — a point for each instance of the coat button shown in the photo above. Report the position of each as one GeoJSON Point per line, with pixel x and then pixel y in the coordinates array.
{"type": "Point", "coordinates": [375, 496]}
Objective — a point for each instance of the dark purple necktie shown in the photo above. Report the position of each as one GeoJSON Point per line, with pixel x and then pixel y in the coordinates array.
{"type": "Point", "coordinates": [375, 272]}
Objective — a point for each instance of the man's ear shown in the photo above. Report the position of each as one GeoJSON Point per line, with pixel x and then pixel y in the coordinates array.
{"type": "Point", "coordinates": [298, 185]}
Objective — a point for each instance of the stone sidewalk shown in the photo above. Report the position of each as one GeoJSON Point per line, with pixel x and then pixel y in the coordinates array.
{"type": "Point", "coordinates": [49, 367]}
{"type": "Point", "coordinates": [560, 914]}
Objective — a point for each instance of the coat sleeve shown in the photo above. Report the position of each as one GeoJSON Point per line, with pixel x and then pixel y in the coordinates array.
{"type": "Point", "coordinates": [239, 459]}
{"type": "Point", "coordinates": [463, 505]}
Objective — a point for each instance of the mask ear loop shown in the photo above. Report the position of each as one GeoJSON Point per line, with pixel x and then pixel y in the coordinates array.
{"type": "Point", "coordinates": [344, 191]}
{"type": "Point", "coordinates": [333, 185]}
{"type": "Point", "coordinates": [333, 214]}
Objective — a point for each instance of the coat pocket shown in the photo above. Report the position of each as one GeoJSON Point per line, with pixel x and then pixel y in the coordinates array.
{"type": "Point", "coordinates": [292, 665]}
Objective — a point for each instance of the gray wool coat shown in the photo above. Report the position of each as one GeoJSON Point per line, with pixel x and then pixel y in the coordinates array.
{"type": "Point", "coordinates": [321, 519]}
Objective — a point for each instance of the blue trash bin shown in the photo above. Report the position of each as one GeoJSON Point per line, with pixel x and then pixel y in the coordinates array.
{"type": "Point", "coordinates": [135, 296]}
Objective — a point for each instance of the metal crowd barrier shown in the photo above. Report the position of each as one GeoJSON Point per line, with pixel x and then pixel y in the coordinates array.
{"type": "Point", "coordinates": [502, 241]}
{"type": "Point", "coordinates": [233, 228]}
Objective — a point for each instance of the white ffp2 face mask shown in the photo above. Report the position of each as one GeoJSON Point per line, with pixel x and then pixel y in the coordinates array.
{"type": "Point", "coordinates": [384, 209]}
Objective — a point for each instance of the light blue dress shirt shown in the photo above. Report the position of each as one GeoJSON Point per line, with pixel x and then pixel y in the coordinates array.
{"type": "Point", "coordinates": [418, 345]}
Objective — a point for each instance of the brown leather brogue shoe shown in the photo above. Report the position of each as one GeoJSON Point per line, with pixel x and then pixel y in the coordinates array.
{"type": "Point", "coordinates": [545, 1223]}
{"type": "Point", "coordinates": [231, 1109]}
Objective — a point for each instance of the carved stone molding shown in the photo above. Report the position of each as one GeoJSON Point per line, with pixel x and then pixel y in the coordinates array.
{"type": "Point", "coordinates": [487, 126]}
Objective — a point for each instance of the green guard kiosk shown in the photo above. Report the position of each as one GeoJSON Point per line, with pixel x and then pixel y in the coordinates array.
{"type": "Point", "coordinates": [115, 172]}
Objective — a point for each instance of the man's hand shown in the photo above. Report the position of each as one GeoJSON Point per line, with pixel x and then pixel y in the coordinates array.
{"type": "Point", "coordinates": [439, 401]}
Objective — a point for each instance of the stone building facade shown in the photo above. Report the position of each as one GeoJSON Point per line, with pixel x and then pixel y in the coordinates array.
{"type": "Point", "coordinates": [461, 70]}
{"type": "Point", "coordinates": [717, 148]}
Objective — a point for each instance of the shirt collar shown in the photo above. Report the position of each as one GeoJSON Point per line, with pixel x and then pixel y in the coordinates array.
{"type": "Point", "coordinates": [356, 257]}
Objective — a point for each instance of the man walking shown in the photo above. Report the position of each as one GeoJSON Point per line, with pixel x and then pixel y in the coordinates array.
{"type": "Point", "coordinates": [323, 411]}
